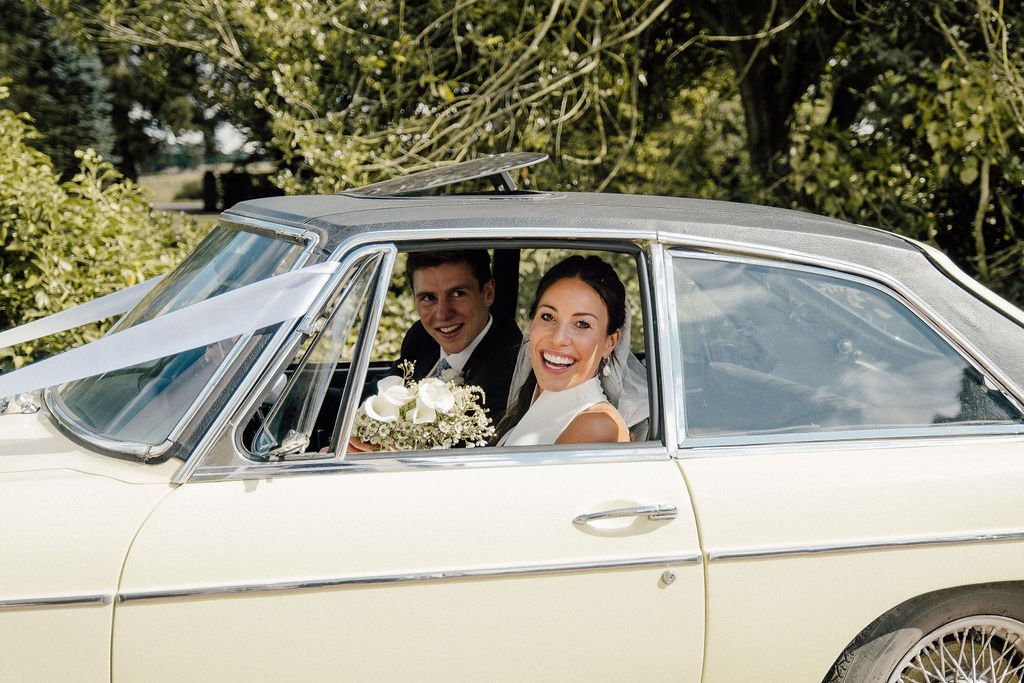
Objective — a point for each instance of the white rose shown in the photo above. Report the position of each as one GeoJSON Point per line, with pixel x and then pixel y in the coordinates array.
{"type": "Point", "coordinates": [436, 394]}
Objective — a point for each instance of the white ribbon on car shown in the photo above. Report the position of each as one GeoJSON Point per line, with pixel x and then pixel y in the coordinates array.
{"type": "Point", "coordinates": [98, 309]}
{"type": "Point", "coordinates": [240, 311]}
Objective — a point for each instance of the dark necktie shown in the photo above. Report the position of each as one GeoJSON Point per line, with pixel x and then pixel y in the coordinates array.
{"type": "Point", "coordinates": [441, 366]}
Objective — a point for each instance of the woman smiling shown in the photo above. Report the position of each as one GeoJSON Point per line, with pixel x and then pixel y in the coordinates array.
{"type": "Point", "coordinates": [576, 322]}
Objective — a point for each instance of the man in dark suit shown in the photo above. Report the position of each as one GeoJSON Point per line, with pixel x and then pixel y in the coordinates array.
{"type": "Point", "coordinates": [456, 332]}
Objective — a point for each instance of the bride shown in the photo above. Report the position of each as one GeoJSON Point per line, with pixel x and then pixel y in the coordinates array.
{"type": "Point", "coordinates": [575, 361]}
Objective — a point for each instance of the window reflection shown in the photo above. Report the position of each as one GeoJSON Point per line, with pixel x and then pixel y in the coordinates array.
{"type": "Point", "coordinates": [769, 349]}
{"type": "Point", "coordinates": [144, 402]}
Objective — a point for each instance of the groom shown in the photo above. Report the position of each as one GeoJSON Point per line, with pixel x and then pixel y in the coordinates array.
{"type": "Point", "coordinates": [454, 291]}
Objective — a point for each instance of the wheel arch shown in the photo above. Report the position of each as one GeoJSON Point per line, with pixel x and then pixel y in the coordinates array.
{"type": "Point", "coordinates": [901, 613]}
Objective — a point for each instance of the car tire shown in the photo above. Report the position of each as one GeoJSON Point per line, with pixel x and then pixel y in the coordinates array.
{"type": "Point", "coordinates": [970, 634]}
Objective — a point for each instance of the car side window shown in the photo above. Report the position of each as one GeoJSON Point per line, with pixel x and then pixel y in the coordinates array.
{"type": "Point", "coordinates": [301, 417]}
{"type": "Point", "coordinates": [517, 272]}
{"type": "Point", "coordinates": [769, 349]}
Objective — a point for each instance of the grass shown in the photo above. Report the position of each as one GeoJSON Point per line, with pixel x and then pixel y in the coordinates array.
{"type": "Point", "coordinates": [164, 186]}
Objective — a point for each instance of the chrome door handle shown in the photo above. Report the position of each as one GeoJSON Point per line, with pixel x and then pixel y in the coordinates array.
{"type": "Point", "coordinates": [654, 512]}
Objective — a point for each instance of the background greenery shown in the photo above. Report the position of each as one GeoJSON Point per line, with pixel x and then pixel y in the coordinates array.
{"type": "Point", "coordinates": [65, 242]}
{"type": "Point", "coordinates": [903, 115]}
{"type": "Point", "coordinates": [399, 312]}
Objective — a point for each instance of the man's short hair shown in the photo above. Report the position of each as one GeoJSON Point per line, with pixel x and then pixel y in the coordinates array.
{"type": "Point", "coordinates": [478, 260]}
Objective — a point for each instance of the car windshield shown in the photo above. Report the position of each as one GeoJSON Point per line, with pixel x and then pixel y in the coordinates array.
{"type": "Point", "coordinates": [144, 403]}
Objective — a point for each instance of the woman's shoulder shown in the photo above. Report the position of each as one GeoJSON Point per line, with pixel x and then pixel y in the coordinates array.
{"type": "Point", "coordinates": [600, 423]}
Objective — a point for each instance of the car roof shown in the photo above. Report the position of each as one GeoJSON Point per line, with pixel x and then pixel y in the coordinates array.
{"type": "Point", "coordinates": [341, 215]}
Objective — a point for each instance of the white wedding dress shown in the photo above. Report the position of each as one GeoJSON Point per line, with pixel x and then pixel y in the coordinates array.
{"type": "Point", "coordinates": [551, 413]}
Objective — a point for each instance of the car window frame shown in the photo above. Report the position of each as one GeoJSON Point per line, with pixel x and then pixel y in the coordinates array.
{"type": "Point", "coordinates": [220, 454]}
{"type": "Point", "coordinates": [243, 467]}
{"type": "Point", "coordinates": [839, 270]}
{"type": "Point", "coordinates": [500, 454]}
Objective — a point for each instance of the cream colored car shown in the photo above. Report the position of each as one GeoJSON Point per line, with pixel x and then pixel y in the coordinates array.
{"type": "Point", "coordinates": [828, 486]}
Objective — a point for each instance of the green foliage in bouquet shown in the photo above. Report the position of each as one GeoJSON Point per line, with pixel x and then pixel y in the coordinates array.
{"type": "Point", "coordinates": [65, 243]}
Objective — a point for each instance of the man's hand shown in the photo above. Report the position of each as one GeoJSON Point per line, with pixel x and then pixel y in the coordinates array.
{"type": "Point", "coordinates": [357, 446]}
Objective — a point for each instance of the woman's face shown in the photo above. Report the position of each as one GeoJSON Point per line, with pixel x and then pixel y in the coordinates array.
{"type": "Point", "coordinates": [567, 335]}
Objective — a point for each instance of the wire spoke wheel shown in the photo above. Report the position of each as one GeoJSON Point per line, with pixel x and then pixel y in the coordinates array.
{"type": "Point", "coordinates": [976, 649]}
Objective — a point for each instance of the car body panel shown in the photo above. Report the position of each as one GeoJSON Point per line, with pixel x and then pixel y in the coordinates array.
{"type": "Point", "coordinates": [417, 573]}
{"type": "Point", "coordinates": [828, 537]}
{"type": "Point", "coordinates": [72, 516]}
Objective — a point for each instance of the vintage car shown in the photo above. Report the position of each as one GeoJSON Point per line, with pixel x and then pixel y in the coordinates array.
{"type": "Point", "coordinates": [828, 486]}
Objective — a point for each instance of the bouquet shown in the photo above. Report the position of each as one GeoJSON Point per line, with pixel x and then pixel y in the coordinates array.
{"type": "Point", "coordinates": [429, 414]}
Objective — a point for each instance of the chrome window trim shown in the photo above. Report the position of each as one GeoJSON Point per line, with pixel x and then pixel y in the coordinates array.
{"type": "Point", "coordinates": [649, 285]}
{"type": "Point", "coordinates": [492, 235]}
{"type": "Point", "coordinates": [951, 270]}
{"type": "Point", "coordinates": [771, 552]}
{"type": "Point", "coordinates": [669, 353]}
{"type": "Point", "coordinates": [408, 461]}
{"type": "Point", "coordinates": [276, 356]}
{"type": "Point", "coordinates": [885, 285]}
{"type": "Point", "coordinates": [62, 601]}
{"type": "Point", "coordinates": [861, 443]}
{"type": "Point", "coordinates": [64, 421]}
{"type": "Point", "coordinates": [883, 437]}
{"type": "Point", "coordinates": [291, 233]}
{"type": "Point", "coordinates": [872, 443]}
{"type": "Point", "coordinates": [364, 347]}
{"type": "Point", "coordinates": [442, 575]}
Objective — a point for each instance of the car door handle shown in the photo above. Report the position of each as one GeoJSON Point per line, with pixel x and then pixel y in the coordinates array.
{"type": "Point", "coordinates": [655, 512]}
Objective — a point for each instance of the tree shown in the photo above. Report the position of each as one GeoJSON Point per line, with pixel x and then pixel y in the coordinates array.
{"type": "Point", "coordinates": [154, 92]}
{"type": "Point", "coordinates": [64, 243]}
{"type": "Point", "coordinates": [61, 84]}
{"type": "Point", "coordinates": [350, 90]}
{"type": "Point", "coordinates": [901, 114]}
{"type": "Point", "coordinates": [932, 148]}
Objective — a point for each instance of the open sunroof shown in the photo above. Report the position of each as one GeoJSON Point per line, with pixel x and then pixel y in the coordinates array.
{"type": "Point", "coordinates": [497, 168]}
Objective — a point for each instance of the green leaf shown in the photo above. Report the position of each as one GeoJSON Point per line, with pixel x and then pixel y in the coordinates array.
{"type": "Point", "coordinates": [968, 174]}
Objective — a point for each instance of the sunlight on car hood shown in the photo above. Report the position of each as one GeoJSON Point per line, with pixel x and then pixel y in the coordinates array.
{"type": "Point", "coordinates": [30, 442]}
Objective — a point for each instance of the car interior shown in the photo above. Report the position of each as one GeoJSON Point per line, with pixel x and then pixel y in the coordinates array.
{"type": "Point", "coordinates": [516, 270]}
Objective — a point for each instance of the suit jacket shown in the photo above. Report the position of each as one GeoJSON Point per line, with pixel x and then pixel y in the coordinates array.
{"type": "Point", "coordinates": [489, 367]}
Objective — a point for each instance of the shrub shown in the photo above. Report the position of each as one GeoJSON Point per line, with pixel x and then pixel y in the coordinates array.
{"type": "Point", "coordinates": [65, 243]}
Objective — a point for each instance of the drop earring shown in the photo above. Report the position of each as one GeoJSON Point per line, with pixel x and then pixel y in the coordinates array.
{"type": "Point", "coordinates": [605, 369]}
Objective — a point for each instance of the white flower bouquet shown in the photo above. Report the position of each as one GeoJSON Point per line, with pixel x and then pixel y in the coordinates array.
{"type": "Point", "coordinates": [409, 415]}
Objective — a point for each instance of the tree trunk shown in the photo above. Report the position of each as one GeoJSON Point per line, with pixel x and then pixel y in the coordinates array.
{"type": "Point", "coordinates": [786, 48]}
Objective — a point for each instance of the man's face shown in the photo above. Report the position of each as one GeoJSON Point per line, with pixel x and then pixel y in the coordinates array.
{"type": "Point", "coordinates": [452, 305]}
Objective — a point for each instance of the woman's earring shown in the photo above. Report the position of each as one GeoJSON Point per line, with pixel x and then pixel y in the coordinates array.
{"type": "Point", "coordinates": [605, 369]}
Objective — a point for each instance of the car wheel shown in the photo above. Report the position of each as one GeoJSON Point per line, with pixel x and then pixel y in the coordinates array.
{"type": "Point", "coordinates": [973, 635]}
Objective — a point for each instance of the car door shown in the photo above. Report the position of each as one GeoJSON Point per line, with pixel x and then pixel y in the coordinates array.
{"type": "Point", "coordinates": [469, 564]}
{"type": "Point", "coordinates": [843, 453]}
